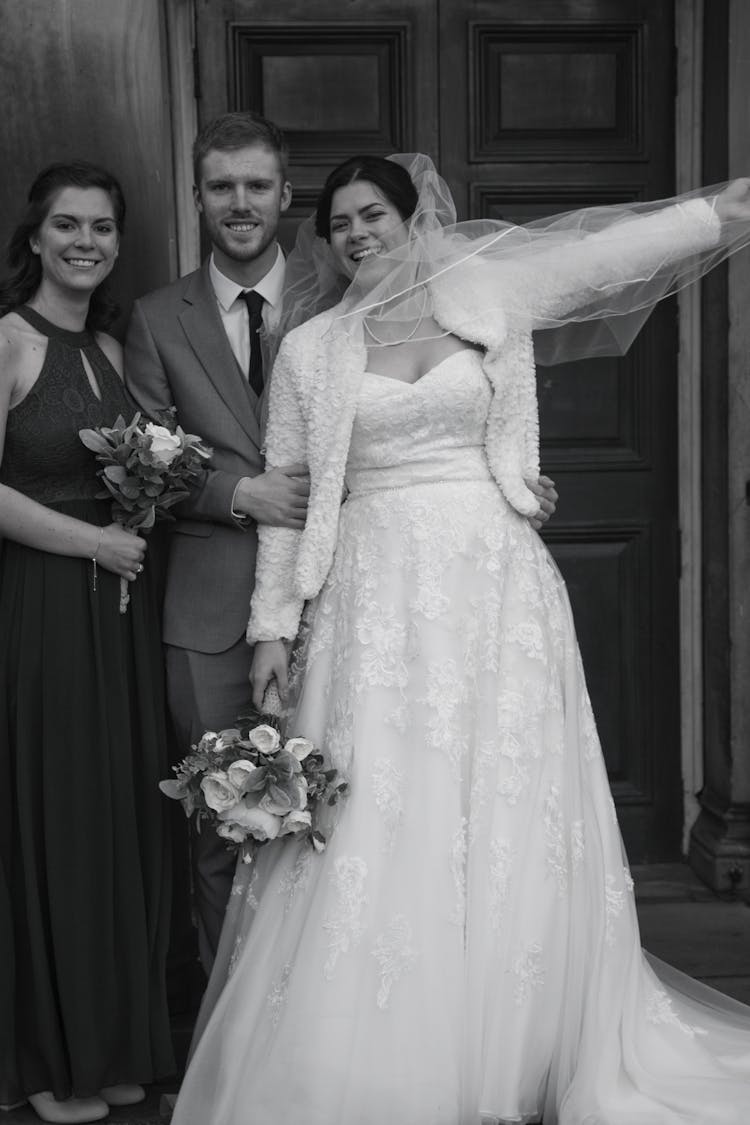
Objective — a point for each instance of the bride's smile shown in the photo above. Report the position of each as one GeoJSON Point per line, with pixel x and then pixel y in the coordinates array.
{"type": "Point", "coordinates": [364, 226]}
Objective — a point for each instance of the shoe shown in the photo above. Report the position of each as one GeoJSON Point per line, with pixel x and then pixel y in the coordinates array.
{"type": "Point", "coordinates": [126, 1093]}
{"type": "Point", "coordinates": [68, 1111]}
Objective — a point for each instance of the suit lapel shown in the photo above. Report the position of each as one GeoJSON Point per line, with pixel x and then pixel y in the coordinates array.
{"type": "Point", "coordinates": [202, 326]}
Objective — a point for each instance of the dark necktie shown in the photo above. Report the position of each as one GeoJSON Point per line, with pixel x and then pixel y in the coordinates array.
{"type": "Point", "coordinates": [254, 303]}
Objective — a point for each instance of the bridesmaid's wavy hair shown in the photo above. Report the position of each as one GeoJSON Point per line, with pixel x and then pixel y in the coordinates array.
{"type": "Point", "coordinates": [25, 269]}
{"type": "Point", "coordinates": [388, 177]}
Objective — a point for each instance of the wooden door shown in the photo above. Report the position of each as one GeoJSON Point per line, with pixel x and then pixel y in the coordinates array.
{"type": "Point", "coordinates": [527, 108]}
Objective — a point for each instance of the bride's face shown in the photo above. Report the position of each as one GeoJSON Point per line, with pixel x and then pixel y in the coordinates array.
{"type": "Point", "coordinates": [364, 224]}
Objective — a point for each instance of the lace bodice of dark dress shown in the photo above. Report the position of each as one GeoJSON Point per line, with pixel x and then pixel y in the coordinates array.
{"type": "Point", "coordinates": [44, 456]}
{"type": "Point", "coordinates": [84, 905]}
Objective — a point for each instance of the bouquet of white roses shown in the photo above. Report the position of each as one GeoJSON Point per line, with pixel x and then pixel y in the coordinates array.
{"type": "Point", "coordinates": [254, 787]}
{"type": "Point", "coordinates": [146, 468]}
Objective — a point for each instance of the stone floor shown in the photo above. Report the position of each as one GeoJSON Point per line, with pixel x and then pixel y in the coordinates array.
{"type": "Point", "coordinates": [682, 922]}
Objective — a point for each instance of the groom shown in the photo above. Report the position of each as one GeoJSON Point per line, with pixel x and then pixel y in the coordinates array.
{"type": "Point", "coordinates": [194, 345]}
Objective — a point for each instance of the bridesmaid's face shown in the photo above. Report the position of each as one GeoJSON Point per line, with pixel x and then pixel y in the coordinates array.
{"type": "Point", "coordinates": [364, 224]}
{"type": "Point", "coordinates": [78, 240]}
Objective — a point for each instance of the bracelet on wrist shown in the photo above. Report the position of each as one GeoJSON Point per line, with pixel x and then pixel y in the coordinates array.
{"type": "Point", "coordinates": [94, 556]}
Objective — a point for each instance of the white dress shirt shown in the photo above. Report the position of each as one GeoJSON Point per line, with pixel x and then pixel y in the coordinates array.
{"type": "Point", "coordinates": [234, 317]}
{"type": "Point", "coordinates": [233, 310]}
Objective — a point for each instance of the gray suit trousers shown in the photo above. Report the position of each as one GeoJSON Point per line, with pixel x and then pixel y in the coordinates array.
{"type": "Point", "coordinates": [207, 691]}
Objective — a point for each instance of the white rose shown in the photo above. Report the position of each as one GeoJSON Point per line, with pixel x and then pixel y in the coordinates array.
{"type": "Point", "coordinates": [258, 823]}
{"type": "Point", "coordinates": [164, 445]}
{"type": "Point", "coordinates": [265, 738]}
{"type": "Point", "coordinates": [220, 794]}
{"type": "Point", "coordinates": [230, 832]}
{"type": "Point", "coordinates": [298, 820]}
{"type": "Point", "coordinates": [239, 774]}
{"type": "Point", "coordinates": [300, 747]}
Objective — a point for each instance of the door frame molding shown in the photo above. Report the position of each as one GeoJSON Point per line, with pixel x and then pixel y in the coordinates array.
{"type": "Point", "coordinates": [181, 62]}
{"type": "Point", "coordinates": [688, 175]}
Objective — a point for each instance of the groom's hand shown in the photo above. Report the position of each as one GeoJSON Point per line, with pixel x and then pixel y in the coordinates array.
{"type": "Point", "coordinates": [277, 497]}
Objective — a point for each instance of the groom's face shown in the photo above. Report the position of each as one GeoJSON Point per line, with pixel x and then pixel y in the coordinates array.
{"type": "Point", "coordinates": [241, 195]}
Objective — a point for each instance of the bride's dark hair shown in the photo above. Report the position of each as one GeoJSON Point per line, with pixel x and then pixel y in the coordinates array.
{"type": "Point", "coordinates": [25, 268]}
{"type": "Point", "coordinates": [390, 178]}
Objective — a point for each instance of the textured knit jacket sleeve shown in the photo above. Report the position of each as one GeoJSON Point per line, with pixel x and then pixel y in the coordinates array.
{"type": "Point", "coordinates": [549, 285]}
{"type": "Point", "coordinates": [276, 606]}
{"type": "Point", "coordinates": [498, 304]}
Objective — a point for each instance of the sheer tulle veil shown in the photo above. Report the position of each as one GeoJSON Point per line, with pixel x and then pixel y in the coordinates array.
{"type": "Point", "coordinates": [437, 249]}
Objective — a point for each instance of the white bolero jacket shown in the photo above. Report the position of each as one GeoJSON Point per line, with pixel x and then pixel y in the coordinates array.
{"type": "Point", "coordinates": [316, 381]}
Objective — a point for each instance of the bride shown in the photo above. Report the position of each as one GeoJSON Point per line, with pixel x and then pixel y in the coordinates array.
{"type": "Point", "coordinates": [466, 950]}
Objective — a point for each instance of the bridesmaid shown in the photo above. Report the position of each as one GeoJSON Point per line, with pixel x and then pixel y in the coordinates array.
{"type": "Point", "coordinates": [84, 902]}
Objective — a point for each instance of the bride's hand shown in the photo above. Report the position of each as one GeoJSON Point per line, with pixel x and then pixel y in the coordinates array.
{"type": "Point", "coordinates": [270, 661]}
{"type": "Point", "coordinates": [734, 201]}
{"type": "Point", "coordinates": [545, 489]}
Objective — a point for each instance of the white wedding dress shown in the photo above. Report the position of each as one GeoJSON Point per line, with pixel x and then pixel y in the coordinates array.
{"type": "Point", "coordinates": [466, 950]}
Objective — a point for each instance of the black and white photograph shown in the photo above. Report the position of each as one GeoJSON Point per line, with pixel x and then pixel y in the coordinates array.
{"type": "Point", "coordinates": [375, 562]}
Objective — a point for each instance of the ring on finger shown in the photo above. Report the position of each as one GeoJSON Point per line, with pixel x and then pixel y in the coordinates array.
{"type": "Point", "coordinates": [139, 568]}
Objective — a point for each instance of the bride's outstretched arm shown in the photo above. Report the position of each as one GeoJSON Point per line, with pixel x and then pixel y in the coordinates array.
{"type": "Point", "coordinates": [603, 261]}
{"type": "Point", "coordinates": [275, 607]}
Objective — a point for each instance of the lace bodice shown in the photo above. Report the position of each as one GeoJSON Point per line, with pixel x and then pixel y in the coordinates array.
{"type": "Point", "coordinates": [433, 429]}
{"type": "Point", "coordinates": [44, 457]}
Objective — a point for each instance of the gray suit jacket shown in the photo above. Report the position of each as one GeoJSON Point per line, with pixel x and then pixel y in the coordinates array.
{"type": "Point", "coordinates": [177, 354]}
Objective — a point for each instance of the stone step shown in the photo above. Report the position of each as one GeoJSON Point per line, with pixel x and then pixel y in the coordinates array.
{"type": "Point", "coordinates": [682, 922]}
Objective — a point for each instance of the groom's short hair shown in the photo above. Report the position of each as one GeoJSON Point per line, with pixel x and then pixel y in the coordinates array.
{"type": "Point", "coordinates": [239, 130]}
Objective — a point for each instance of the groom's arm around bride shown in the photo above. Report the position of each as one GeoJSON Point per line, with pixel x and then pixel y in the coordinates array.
{"type": "Point", "coordinates": [192, 345]}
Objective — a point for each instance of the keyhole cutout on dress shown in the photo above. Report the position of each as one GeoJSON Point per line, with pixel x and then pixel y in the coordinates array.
{"type": "Point", "coordinates": [93, 382]}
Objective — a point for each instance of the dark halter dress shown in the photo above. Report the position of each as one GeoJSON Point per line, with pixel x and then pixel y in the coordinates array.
{"type": "Point", "coordinates": [84, 900]}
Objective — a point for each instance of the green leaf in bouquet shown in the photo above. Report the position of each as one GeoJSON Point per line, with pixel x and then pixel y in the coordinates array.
{"type": "Point", "coordinates": [113, 489]}
{"type": "Point", "coordinates": [145, 521]}
{"type": "Point", "coordinates": [94, 441]}
{"type": "Point", "coordinates": [174, 787]}
{"type": "Point", "coordinates": [281, 797]}
{"type": "Point", "coordinates": [256, 782]}
{"type": "Point", "coordinates": [118, 474]}
{"type": "Point", "coordinates": [129, 488]}
{"type": "Point", "coordinates": [121, 455]}
{"type": "Point", "coordinates": [169, 499]}
{"type": "Point", "coordinates": [130, 430]}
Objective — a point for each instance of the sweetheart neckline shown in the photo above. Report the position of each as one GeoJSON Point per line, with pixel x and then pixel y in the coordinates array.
{"type": "Point", "coordinates": [430, 371]}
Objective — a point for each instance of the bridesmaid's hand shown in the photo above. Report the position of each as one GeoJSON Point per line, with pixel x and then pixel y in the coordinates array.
{"type": "Point", "coordinates": [544, 488]}
{"type": "Point", "coordinates": [270, 662]}
{"type": "Point", "coordinates": [734, 201]}
{"type": "Point", "coordinates": [121, 552]}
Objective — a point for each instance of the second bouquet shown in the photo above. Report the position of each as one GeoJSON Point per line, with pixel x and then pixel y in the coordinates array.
{"type": "Point", "coordinates": [253, 786]}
